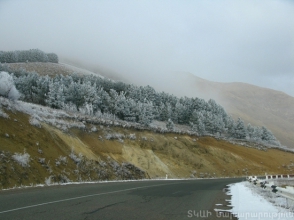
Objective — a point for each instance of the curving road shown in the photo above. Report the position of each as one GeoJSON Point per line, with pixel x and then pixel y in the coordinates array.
{"type": "Point", "coordinates": [168, 199]}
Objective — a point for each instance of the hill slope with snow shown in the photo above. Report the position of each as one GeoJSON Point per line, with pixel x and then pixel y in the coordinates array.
{"type": "Point", "coordinates": [256, 105]}
{"type": "Point", "coordinates": [39, 144]}
{"type": "Point", "coordinates": [42, 145]}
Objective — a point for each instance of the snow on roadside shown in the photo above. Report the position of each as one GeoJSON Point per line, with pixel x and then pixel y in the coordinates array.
{"type": "Point", "coordinates": [248, 204]}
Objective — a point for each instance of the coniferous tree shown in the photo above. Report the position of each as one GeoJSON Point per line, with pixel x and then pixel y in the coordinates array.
{"type": "Point", "coordinates": [7, 87]}
{"type": "Point", "coordinates": [240, 130]}
{"type": "Point", "coordinates": [179, 113]}
{"type": "Point", "coordinates": [52, 57]}
{"type": "Point", "coordinates": [250, 131]}
{"type": "Point", "coordinates": [146, 113]}
{"type": "Point", "coordinates": [26, 84]}
{"type": "Point", "coordinates": [268, 137]}
{"type": "Point", "coordinates": [55, 97]}
{"type": "Point", "coordinates": [170, 125]}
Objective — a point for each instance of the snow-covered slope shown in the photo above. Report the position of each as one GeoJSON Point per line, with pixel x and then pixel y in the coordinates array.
{"type": "Point", "coordinates": [62, 146]}
{"type": "Point", "coordinates": [256, 105]}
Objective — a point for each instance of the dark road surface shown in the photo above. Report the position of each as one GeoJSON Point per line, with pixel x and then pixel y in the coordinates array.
{"type": "Point", "coordinates": [168, 199]}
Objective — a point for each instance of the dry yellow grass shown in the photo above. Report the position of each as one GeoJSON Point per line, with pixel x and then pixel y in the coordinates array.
{"type": "Point", "coordinates": [162, 154]}
{"type": "Point", "coordinates": [50, 69]}
{"type": "Point", "coordinates": [156, 154]}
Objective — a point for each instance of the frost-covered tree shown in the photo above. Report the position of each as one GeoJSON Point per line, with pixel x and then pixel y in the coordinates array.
{"type": "Point", "coordinates": [250, 131]}
{"type": "Point", "coordinates": [87, 109]}
{"type": "Point", "coordinates": [88, 91]}
{"type": "Point", "coordinates": [219, 125]}
{"type": "Point", "coordinates": [161, 114]}
{"type": "Point", "coordinates": [122, 107]}
{"type": "Point", "coordinates": [170, 125]}
{"type": "Point", "coordinates": [187, 104]}
{"type": "Point", "coordinates": [26, 84]}
{"type": "Point", "coordinates": [23, 56]}
{"type": "Point", "coordinates": [179, 113]}
{"type": "Point", "coordinates": [7, 87]}
{"type": "Point", "coordinates": [145, 111]}
{"type": "Point", "coordinates": [55, 97]}
{"type": "Point", "coordinates": [256, 135]}
{"type": "Point", "coordinates": [131, 110]}
{"type": "Point", "coordinates": [268, 137]}
{"type": "Point", "coordinates": [166, 111]}
{"type": "Point", "coordinates": [229, 125]}
{"type": "Point", "coordinates": [105, 100]}
{"type": "Point", "coordinates": [39, 89]}
{"type": "Point", "coordinates": [208, 121]}
{"type": "Point", "coordinates": [33, 55]}
{"type": "Point", "coordinates": [8, 57]}
{"type": "Point", "coordinates": [239, 130]}
{"type": "Point", "coordinates": [52, 57]}
{"type": "Point", "coordinates": [201, 128]}
{"type": "Point", "coordinates": [198, 119]}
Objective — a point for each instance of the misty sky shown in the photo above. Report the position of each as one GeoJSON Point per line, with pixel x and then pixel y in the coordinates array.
{"type": "Point", "coordinates": [226, 41]}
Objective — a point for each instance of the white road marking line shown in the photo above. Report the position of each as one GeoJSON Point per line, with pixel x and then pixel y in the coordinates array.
{"type": "Point", "coordinates": [176, 192]}
{"type": "Point", "coordinates": [80, 197]}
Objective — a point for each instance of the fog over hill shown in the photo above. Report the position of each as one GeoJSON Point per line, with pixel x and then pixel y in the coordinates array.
{"type": "Point", "coordinates": [256, 105]}
{"type": "Point", "coordinates": [225, 41]}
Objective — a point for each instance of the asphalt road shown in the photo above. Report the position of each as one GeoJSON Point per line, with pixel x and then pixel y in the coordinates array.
{"type": "Point", "coordinates": [168, 199]}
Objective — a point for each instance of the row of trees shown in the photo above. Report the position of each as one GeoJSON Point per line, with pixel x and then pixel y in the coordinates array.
{"type": "Point", "coordinates": [93, 95]}
{"type": "Point", "coordinates": [33, 55]}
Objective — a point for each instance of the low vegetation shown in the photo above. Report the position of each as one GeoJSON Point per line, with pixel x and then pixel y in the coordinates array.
{"type": "Point", "coordinates": [47, 153]}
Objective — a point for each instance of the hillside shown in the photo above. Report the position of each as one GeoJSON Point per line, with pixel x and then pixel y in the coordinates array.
{"type": "Point", "coordinates": [259, 106]}
{"type": "Point", "coordinates": [256, 105]}
{"type": "Point", "coordinates": [42, 145]}
{"type": "Point", "coordinates": [89, 150]}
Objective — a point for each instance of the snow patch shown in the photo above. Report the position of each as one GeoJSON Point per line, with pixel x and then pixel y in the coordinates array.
{"type": "Point", "coordinates": [3, 114]}
{"type": "Point", "coordinates": [247, 204]}
{"type": "Point", "coordinates": [22, 159]}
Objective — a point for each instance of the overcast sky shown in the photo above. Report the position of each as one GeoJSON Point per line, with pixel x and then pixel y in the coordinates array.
{"type": "Point", "coordinates": [226, 41]}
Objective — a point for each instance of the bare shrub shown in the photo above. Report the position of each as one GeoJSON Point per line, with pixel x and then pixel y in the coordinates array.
{"type": "Point", "coordinates": [22, 159]}
{"type": "Point", "coordinates": [76, 158]}
{"type": "Point", "coordinates": [61, 160]}
{"type": "Point", "coordinates": [41, 160]}
{"type": "Point", "coordinates": [35, 122]}
{"type": "Point", "coordinates": [114, 136]}
{"type": "Point", "coordinates": [132, 137]}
